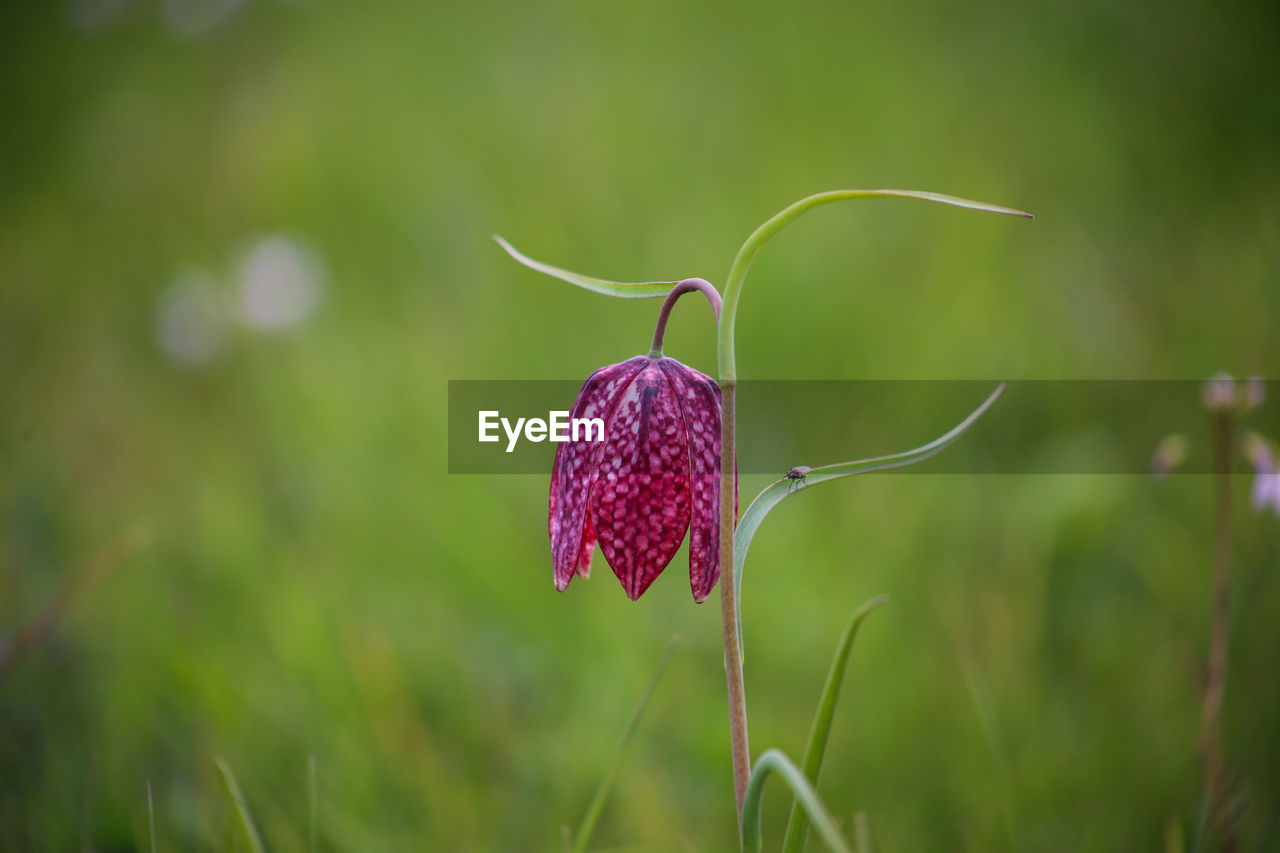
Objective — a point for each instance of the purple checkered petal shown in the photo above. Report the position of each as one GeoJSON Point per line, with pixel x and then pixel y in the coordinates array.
{"type": "Point", "coordinates": [588, 547]}
{"type": "Point", "coordinates": [699, 397]}
{"type": "Point", "coordinates": [655, 476]}
{"type": "Point", "coordinates": [569, 528]}
{"type": "Point", "coordinates": [640, 488]}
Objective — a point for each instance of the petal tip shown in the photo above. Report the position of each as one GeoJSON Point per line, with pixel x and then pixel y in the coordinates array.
{"type": "Point", "coordinates": [700, 596]}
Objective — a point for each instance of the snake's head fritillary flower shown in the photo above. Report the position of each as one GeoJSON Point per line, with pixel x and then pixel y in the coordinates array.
{"type": "Point", "coordinates": [654, 476]}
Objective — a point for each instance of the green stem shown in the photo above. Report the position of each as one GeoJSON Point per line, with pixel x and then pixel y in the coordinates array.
{"type": "Point", "coordinates": [151, 817]}
{"type": "Point", "coordinates": [729, 600]}
{"type": "Point", "coordinates": [774, 761]}
{"type": "Point", "coordinates": [1216, 682]}
{"type": "Point", "coordinates": [728, 444]}
{"type": "Point", "coordinates": [728, 374]}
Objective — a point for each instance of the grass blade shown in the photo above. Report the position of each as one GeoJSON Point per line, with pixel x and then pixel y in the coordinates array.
{"type": "Point", "coordinates": [626, 290]}
{"type": "Point", "coordinates": [151, 817]}
{"type": "Point", "coordinates": [798, 823]}
{"type": "Point", "coordinates": [861, 835]}
{"type": "Point", "coordinates": [101, 564]}
{"type": "Point", "coordinates": [242, 808]}
{"type": "Point", "coordinates": [1173, 840]}
{"type": "Point", "coordinates": [312, 800]}
{"type": "Point", "coordinates": [995, 747]}
{"type": "Point", "coordinates": [589, 820]}
{"type": "Point", "coordinates": [775, 493]}
{"type": "Point", "coordinates": [774, 761]}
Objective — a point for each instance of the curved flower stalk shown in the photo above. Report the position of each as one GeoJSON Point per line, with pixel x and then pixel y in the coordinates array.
{"type": "Point", "coordinates": [729, 605]}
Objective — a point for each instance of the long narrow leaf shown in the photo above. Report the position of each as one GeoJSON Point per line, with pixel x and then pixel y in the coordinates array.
{"type": "Point", "coordinates": [776, 492]}
{"type": "Point", "coordinates": [752, 832]}
{"type": "Point", "coordinates": [798, 824]}
{"type": "Point", "coordinates": [624, 289]}
{"type": "Point", "coordinates": [242, 807]}
{"type": "Point", "coordinates": [606, 784]}
{"type": "Point", "coordinates": [794, 210]}
{"type": "Point", "coordinates": [754, 243]}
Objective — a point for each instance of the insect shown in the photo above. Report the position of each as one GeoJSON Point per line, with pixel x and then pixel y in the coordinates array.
{"type": "Point", "coordinates": [797, 475]}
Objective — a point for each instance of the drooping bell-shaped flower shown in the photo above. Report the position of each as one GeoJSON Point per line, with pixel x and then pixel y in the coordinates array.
{"type": "Point", "coordinates": [654, 475]}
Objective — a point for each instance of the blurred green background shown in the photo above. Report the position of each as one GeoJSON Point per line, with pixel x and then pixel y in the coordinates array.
{"type": "Point", "coordinates": [244, 245]}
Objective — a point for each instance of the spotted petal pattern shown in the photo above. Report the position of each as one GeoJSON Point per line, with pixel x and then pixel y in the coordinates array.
{"type": "Point", "coordinates": [654, 477]}
{"type": "Point", "coordinates": [640, 489]}
{"type": "Point", "coordinates": [572, 536]}
{"type": "Point", "coordinates": [699, 397]}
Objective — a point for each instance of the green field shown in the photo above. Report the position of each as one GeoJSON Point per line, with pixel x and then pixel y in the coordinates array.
{"type": "Point", "coordinates": [254, 481]}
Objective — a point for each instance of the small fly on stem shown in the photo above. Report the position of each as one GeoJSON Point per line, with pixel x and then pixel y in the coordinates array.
{"type": "Point", "coordinates": [796, 475]}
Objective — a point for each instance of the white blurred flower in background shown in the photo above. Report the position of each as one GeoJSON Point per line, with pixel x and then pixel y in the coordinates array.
{"type": "Point", "coordinates": [191, 325]}
{"type": "Point", "coordinates": [91, 15]}
{"type": "Point", "coordinates": [186, 18]}
{"type": "Point", "coordinates": [281, 282]}
{"type": "Point", "coordinates": [197, 17]}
